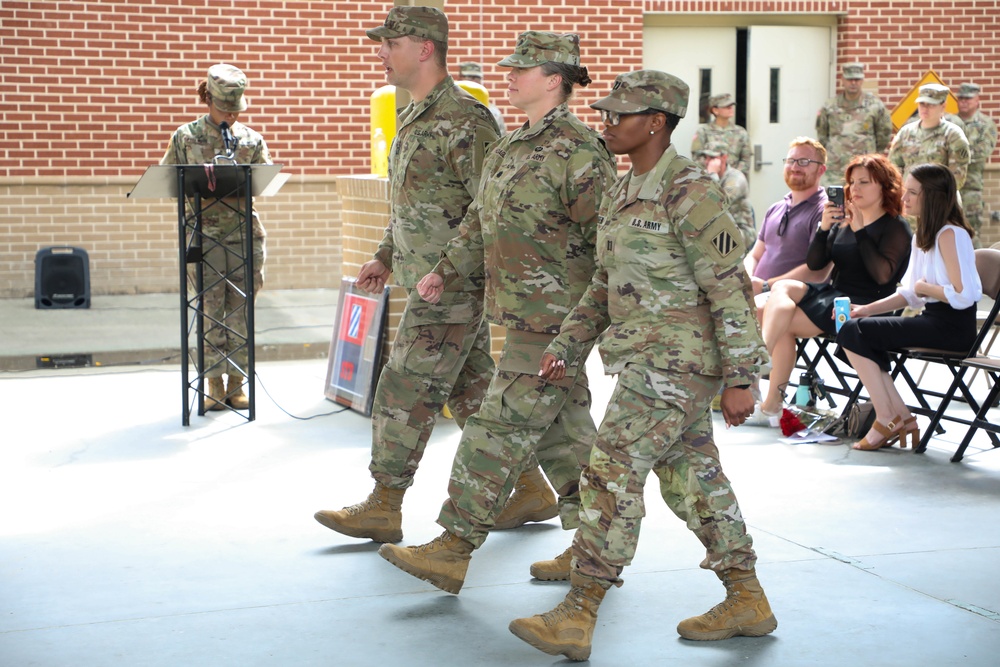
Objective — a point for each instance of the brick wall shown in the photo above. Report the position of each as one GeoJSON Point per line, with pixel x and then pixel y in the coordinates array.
{"type": "Point", "coordinates": [91, 91]}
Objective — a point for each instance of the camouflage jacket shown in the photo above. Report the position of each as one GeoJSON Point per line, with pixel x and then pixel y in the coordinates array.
{"type": "Point", "coordinates": [199, 142]}
{"type": "Point", "coordinates": [734, 185]}
{"type": "Point", "coordinates": [734, 136]}
{"type": "Point", "coordinates": [670, 288]}
{"type": "Point", "coordinates": [534, 222]}
{"type": "Point", "coordinates": [981, 132]}
{"type": "Point", "coordinates": [847, 128]}
{"type": "Point", "coordinates": [945, 144]}
{"type": "Point", "coordinates": [434, 169]}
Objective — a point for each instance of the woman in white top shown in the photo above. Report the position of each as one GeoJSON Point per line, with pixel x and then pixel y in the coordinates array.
{"type": "Point", "coordinates": [941, 278]}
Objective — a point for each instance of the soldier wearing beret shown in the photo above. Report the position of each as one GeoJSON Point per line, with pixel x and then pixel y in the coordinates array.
{"type": "Point", "coordinates": [533, 224]}
{"type": "Point", "coordinates": [671, 303]}
{"type": "Point", "coordinates": [855, 122]}
{"type": "Point", "coordinates": [981, 132]}
{"type": "Point", "coordinates": [200, 142]}
{"type": "Point", "coordinates": [723, 129]}
{"type": "Point", "coordinates": [441, 354]}
{"type": "Point", "coordinates": [931, 138]}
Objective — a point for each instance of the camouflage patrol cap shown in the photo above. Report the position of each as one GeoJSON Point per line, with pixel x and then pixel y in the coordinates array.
{"type": "Point", "coordinates": [225, 84]}
{"type": "Point", "coordinates": [722, 100]}
{"type": "Point", "coordinates": [933, 93]}
{"type": "Point", "coordinates": [475, 70]}
{"type": "Point", "coordinates": [968, 90]}
{"type": "Point", "coordinates": [537, 48]}
{"type": "Point", "coordinates": [853, 71]}
{"type": "Point", "coordinates": [424, 22]}
{"type": "Point", "coordinates": [646, 89]}
{"type": "Point", "coordinates": [714, 149]}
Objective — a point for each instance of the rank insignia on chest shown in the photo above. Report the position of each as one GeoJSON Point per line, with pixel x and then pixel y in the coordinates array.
{"type": "Point", "coordinates": [724, 243]}
{"type": "Point", "coordinates": [651, 225]}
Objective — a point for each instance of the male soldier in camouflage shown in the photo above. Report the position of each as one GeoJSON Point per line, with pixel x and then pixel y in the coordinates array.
{"type": "Point", "coordinates": [723, 129]}
{"type": "Point", "coordinates": [534, 223]}
{"type": "Point", "coordinates": [474, 72]}
{"type": "Point", "coordinates": [442, 352]}
{"type": "Point", "coordinates": [671, 298]}
{"type": "Point", "coordinates": [932, 138]}
{"type": "Point", "coordinates": [714, 158]}
{"type": "Point", "coordinates": [854, 122]}
{"type": "Point", "coordinates": [982, 135]}
{"type": "Point", "coordinates": [200, 142]}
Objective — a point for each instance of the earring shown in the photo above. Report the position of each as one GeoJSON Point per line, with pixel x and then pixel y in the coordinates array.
{"type": "Point", "coordinates": [651, 132]}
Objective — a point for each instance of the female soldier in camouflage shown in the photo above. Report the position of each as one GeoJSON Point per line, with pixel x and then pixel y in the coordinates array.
{"type": "Point", "coordinates": [672, 299]}
{"type": "Point", "coordinates": [200, 142]}
{"type": "Point", "coordinates": [534, 221]}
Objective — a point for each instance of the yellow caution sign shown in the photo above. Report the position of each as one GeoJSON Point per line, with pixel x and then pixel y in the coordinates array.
{"type": "Point", "coordinates": [908, 106]}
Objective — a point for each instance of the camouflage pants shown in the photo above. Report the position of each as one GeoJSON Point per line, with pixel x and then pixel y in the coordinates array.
{"type": "Point", "coordinates": [441, 354]}
{"type": "Point", "coordinates": [521, 413]}
{"type": "Point", "coordinates": [674, 440]}
{"type": "Point", "coordinates": [224, 303]}
{"type": "Point", "coordinates": [975, 212]}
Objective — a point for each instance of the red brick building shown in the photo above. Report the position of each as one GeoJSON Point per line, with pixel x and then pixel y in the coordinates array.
{"type": "Point", "coordinates": [91, 91]}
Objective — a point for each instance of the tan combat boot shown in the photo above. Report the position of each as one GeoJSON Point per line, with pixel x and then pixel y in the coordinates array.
{"type": "Point", "coordinates": [378, 518]}
{"type": "Point", "coordinates": [569, 628]}
{"type": "Point", "coordinates": [745, 611]}
{"type": "Point", "coordinates": [216, 398]}
{"type": "Point", "coordinates": [443, 561]}
{"type": "Point", "coordinates": [532, 500]}
{"type": "Point", "coordinates": [234, 393]}
{"type": "Point", "coordinates": [556, 569]}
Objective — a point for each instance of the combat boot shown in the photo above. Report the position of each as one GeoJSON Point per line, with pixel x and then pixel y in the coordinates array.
{"type": "Point", "coordinates": [378, 518]}
{"type": "Point", "coordinates": [234, 393]}
{"type": "Point", "coordinates": [745, 611]}
{"type": "Point", "coordinates": [569, 628]}
{"type": "Point", "coordinates": [442, 562]}
{"type": "Point", "coordinates": [556, 569]}
{"type": "Point", "coordinates": [216, 398]}
{"type": "Point", "coordinates": [532, 500]}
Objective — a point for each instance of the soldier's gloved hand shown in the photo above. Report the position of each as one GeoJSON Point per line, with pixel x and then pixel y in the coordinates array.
{"type": "Point", "coordinates": [552, 368]}
{"type": "Point", "coordinates": [372, 276]}
{"type": "Point", "coordinates": [431, 287]}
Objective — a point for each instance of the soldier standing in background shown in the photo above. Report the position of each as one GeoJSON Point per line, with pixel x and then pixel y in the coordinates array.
{"type": "Point", "coordinates": [932, 138]}
{"type": "Point", "coordinates": [852, 123]}
{"type": "Point", "coordinates": [672, 300]}
{"type": "Point", "coordinates": [714, 158]}
{"type": "Point", "coordinates": [441, 353]}
{"type": "Point", "coordinates": [723, 129]}
{"type": "Point", "coordinates": [982, 135]}
{"type": "Point", "coordinates": [474, 72]}
{"type": "Point", "coordinates": [534, 224]}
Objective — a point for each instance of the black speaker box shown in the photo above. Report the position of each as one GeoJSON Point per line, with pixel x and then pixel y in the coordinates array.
{"type": "Point", "coordinates": [62, 278]}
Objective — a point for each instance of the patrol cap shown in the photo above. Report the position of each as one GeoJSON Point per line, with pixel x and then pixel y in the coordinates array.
{"type": "Point", "coordinates": [722, 100]}
{"type": "Point", "coordinates": [537, 48]}
{"type": "Point", "coordinates": [853, 71]}
{"type": "Point", "coordinates": [465, 70]}
{"type": "Point", "coordinates": [714, 149]}
{"type": "Point", "coordinates": [645, 89]}
{"type": "Point", "coordinates": [226, 84]}
{"type": "Point", "coordinates": [424, 22]}
{"type": "Point", "coordinates": [933, 93]}
{"type": "Point", "coordinates": [968, 90]}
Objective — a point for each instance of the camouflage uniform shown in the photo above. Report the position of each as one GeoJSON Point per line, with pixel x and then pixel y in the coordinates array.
{"type": "Point", "coordinates": [533, 225]}
{"type": "Point", "coordinates": [944, 144]}
{"type": "Point", "coordinates": [199, 142]}
{"type": "Point", "coordinates": [671, 291]}
{"type": "Point", "coordinates": [441, 353]}
{"type": "Point", "coordinates": [734, 136]}
{"type": "Point", "coordinates": [847, 128]}
{"type": "Point", "coordinates": [737, 191]}
{"type": "Point", "coordinates": [981, 132]}
{"type": "Point", "coordinates": [474, 72]}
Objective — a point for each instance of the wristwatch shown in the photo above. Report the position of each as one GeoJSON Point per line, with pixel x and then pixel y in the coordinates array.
{"type": "Point", "coordinates": [765, 287]}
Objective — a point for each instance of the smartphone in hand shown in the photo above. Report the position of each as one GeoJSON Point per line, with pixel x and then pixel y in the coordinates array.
{"type": "Point", "coordinates": [835, 193]}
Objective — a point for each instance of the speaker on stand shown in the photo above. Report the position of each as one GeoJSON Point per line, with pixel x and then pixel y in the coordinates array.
{"type": "Point", "coordinates": [62, 278]}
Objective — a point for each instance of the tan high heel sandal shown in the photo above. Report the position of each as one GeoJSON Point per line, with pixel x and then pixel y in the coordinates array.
{"type": "Point", "coordinates": [909, 428]}
{"type": "Point", "coordinates": [889, 434]}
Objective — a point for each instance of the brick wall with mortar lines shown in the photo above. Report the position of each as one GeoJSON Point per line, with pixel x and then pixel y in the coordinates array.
{"type": "Point", "coordinates": [92, 90]}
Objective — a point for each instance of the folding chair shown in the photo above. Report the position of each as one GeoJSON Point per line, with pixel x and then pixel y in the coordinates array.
{"type": "Point", "coordinates": [988, 266]}
{"type": "Point", "coordinates": [812, 354]}
{"type": "Point", "coordinates": [991, 368]}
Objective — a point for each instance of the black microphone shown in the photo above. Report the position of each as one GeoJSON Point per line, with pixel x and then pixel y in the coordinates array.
{"type": "Point", "coordinates": [227, 138]}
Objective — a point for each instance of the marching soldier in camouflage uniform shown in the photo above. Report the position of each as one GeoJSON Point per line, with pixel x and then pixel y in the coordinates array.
{"type": "Point", "coordinates": [723, 129]}
{"type": "Point", "coordinates": [672, 299]}
{"type": "Point", "coordinates": [715, 160]}
{"type": "Point", "coordinates": [534, 222]}
{"type": "Point", "coordinates": [931, 139]}
{"type": "Point", "coordinates": [200, 142]}
{"type": "Point", "coordinates": [854, 122]}
{"type": "Point", "coordinates": [982, 135]}
{"type": "Point", "coordinates": [441, 354]}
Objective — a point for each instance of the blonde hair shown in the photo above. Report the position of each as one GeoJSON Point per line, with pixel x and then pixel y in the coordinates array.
{"type": "Point", "coordinates": [809, 141]}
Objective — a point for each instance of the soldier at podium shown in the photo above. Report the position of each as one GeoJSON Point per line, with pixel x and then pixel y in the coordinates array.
{"type": "Point", "coordinates": [219, 132]}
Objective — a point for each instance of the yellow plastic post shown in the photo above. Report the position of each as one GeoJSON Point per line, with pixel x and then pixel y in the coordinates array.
{"type": "Point", "coordinates": [476, 90]}
{"type": "Point", "coordinates": [383, 120]}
